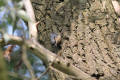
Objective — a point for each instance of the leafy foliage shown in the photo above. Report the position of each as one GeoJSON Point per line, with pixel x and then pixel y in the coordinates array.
{"type": "Point", "coordinates": [12, 21]}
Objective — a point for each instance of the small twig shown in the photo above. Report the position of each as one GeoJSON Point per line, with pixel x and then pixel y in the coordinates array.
{"type": "Point", "coordinates": [27, 63]}
{"type": "Point", "coordinates": [37, 23]}
{"type": "Point", "coordinates": [18, 64]}
{"type": "Point", "coordinates": [13, 74]}
{"type": "Point", "coordinates": [43, 74]}
{"type": "Point", "coordinates": [50, 65]}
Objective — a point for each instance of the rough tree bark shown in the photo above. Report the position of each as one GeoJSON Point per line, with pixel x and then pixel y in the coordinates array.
{"type": "Point", "coordinates": [90, 35]}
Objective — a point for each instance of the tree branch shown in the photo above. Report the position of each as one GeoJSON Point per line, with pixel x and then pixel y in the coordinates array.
{"type": "Point", "coordinates": [32, 22]}
{"type": "Point", "coordinates": [47, 56]}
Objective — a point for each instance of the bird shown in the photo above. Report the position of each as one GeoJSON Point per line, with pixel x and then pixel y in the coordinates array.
{"type": "Point", "coordinates": [55, 39]}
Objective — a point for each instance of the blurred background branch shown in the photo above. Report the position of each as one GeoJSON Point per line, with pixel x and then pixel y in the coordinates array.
{"type": "Point", "coordinates": [27, 63]}
{"type": "Point", "coordinates": [3, 71]}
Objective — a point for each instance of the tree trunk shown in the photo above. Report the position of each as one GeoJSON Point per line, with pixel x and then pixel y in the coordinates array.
{"type": "Point", "coordinates": [90, 35]}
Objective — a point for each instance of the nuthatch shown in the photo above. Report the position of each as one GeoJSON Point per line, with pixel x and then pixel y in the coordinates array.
{"type": "Point", "coordinates": [55, 38]}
